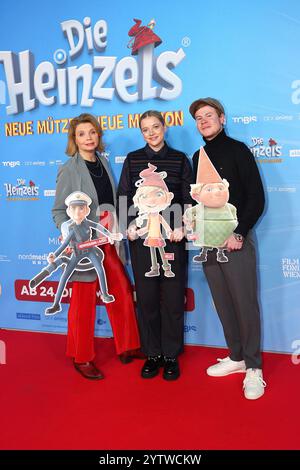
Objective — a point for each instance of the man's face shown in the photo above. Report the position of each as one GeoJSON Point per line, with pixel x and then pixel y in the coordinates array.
{"type": "Point", "coordinates": [78, 212]}
{"type": "Point", "coordinates": [213, 195]}
{"type": "Point", "coordinates": [208, 122]}
{"type": "Point", "coordinates": [154, 201]}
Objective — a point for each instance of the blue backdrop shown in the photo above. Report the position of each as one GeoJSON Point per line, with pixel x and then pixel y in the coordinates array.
{"type": "Point", "coordinates": [68, 58]}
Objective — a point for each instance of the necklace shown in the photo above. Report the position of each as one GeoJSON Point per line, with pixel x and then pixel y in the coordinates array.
{"type": "Point", "coordinates": [98, 168]}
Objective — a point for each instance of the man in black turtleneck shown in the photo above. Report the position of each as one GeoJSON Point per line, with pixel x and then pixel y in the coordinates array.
{"type": "Point", "coordinates": [234, 285]}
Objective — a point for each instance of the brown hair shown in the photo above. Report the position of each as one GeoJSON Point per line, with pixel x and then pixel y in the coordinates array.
{"type": "Point", "coordinates": [152, 113]}
{"type": "Point", "coordinates": [206, 102]}
{"type": "Point", "coordinates": [83, 118]}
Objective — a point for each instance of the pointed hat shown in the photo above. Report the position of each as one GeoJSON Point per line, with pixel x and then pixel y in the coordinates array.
{"type": "Point", "coordinates": [206, 171]}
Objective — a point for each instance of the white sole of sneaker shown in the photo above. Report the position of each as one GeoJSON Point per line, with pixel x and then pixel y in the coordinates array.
{"type": "Point", "coordinates": [241, 371]}
{"type": "Point", "coordinates": [254, 398]}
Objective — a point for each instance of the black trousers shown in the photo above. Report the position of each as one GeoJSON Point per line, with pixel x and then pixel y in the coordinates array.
{"type": "Point", "coordinates": [160, 299]}
{"type": "Point", "coordinates": [233, 286]}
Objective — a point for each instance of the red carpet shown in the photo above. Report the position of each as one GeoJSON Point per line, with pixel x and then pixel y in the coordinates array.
{"type": "Point", "coordinates": [46, 404]}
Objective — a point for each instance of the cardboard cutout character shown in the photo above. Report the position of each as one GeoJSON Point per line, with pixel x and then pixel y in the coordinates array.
{"type": "Point", "coordinates": [77, 235]}
{"type": "Point", "coordinates": [213, 219]}
{"type": "Point", "coordinates": [152, 197]}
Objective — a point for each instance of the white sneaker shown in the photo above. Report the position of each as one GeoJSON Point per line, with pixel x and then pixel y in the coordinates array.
{"type": "Point", "coordinates": [254, 385]}
{"type": "Point", "coordinates": [225, 367]}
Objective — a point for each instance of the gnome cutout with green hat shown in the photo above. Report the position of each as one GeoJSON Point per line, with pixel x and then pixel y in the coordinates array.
{"type": "Point", "coordinates": [213, 219]}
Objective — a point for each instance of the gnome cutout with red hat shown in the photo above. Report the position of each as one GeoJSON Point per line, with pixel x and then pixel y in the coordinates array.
{"type": "Point", "coordinates": [213, 219]}
{"type": "Point", "coordinates": [152, 197]}
{"type": "Point", "coordinates": [142, 36]}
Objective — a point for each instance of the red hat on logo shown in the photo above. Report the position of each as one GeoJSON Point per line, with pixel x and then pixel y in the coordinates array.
{"type": "Point", "coordinates": [143, 35]}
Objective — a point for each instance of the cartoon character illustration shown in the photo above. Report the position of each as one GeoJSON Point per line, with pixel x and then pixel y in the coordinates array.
{"type": "Point", "coordinates": [213, 219]}
{"type": "Point", "coordinates": [151, 197]}
{"type": "Point", "coordinates": [143, 35]}
{"type": "Point", "coordinates": [77, 234]}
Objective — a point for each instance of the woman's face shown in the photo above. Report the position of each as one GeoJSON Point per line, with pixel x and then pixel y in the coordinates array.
{"type": "Point", "coordinates": [86, 138]}
{"type": "Point", "coordinates": [153, 132]}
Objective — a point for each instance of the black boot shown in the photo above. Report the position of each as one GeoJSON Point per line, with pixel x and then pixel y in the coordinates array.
{"type": "Point", "coordinates": [151, 367]}
{"type": "Point", "coordinates": [171, 368]}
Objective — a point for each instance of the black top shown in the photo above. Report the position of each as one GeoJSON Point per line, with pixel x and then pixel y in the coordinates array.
{"type": "Point", "coordinates": [234, 162]}
{"type": "Point", "coordinates": [101, 182]}
{"type": "Point", "coordinates": [175, 163]}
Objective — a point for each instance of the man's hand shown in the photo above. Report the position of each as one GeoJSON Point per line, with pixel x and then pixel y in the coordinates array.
{"type": "Point", "coordinates": [232, 244]}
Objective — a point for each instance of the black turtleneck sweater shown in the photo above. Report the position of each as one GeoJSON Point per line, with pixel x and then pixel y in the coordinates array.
{"type": "Point", "coordinates": [234, 162]}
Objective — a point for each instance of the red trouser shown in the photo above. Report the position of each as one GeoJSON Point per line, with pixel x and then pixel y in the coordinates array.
{"type": "Point", "coordinates": [121, 312]}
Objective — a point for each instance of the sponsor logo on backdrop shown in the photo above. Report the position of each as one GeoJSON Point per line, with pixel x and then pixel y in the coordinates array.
{"type": "Point", "coordinates": [4, 258]}
{"type": "Point", "coordinates": [61, 79]}
{"type": "Point", "coordinates": [49, 192]}
{"type": "Point", "coordinates": [54, 241]}
{"type": "Point", "coordinates": [244, 119]}
{"type": "Point", "coordinates": [21, 191]}
{"type": "Point", "coordinates": [266, 151]}
{"type": "Point", "coordinates": [282, 189]}
{"type": "Point", "coordinates": [295, 153]}
{"type": "Point", "coordinates": [120, 159]}
{"type": "Point", "coordinates": [34, 258]}
{"type": "Point", "coordinates": [101, 322]}
{"type": "Point", "coordinates": [279, 117]}
{"type": "Point", "coordinates": [55, 162]}
{"type": "Point", "coordinates": [290, 268]}
{"type": "Point", "coordinates": [189, 328]}
{"type": "Point", "coordinates": [28, 316]}
{"type": "Point", "coordinates": [14, 163]}
{"type": "Point", "coordinates": [34, 163]}
{"type": "Point", "coordinates": [11, 164]}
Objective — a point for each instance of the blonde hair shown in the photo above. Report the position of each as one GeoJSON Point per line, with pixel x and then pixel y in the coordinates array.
{"type": "Point", "coordinates": [152, 113]}
{"type": "Point", "coordinates": [72, 148]}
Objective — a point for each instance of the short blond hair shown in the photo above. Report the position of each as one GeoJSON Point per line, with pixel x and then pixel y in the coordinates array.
{"type": "Point", "coordinates": [72, 148]}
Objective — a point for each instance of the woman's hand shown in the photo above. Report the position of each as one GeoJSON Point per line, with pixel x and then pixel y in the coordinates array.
{"type": "Point", "coordinates": [132, 232]}
{"type": "Point", "coordinates": [116, 236]}
{"type": "Point", "coordinates": [177, 235]}
{"type": "Point", "coordinates": [51, 258]}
